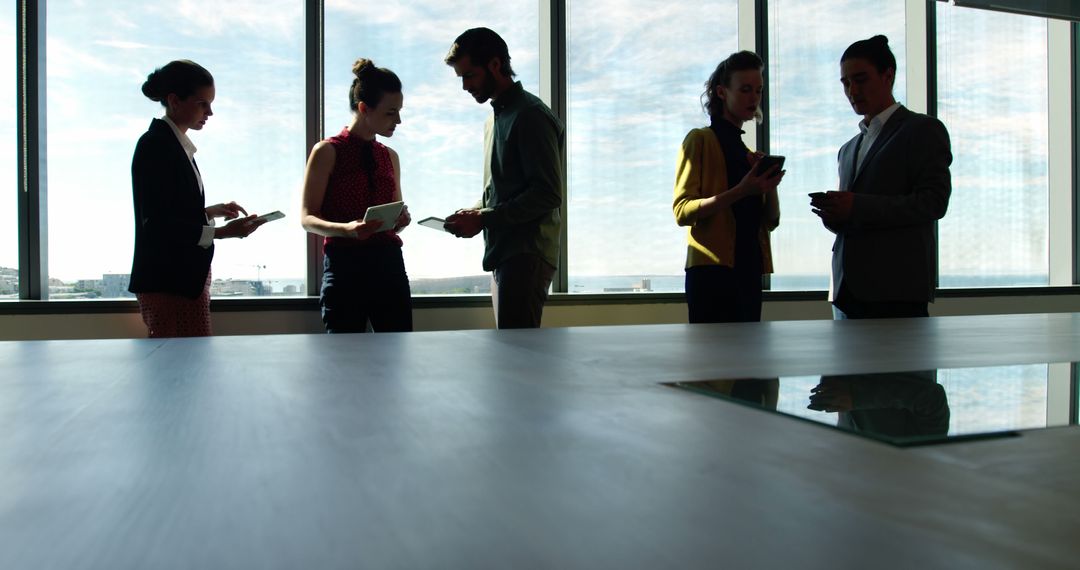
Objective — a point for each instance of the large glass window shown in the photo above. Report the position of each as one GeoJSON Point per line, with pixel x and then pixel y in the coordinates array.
{"type": "Point", "coordinates": [636, 73]}
{"type": "Point", "coordinates": [810, 118]}
{"type": "Point", "coordinates": [250, 151]}
{"type": "Point", "coordinates": [9, 237]}
{"type": "Point", "coordinates": [992, 96]}
{"type": "Point", "coordinates": [440, 140]}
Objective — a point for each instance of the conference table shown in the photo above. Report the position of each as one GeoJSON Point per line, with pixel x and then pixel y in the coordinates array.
{"type": "Point", "coordinates": [548, 448]}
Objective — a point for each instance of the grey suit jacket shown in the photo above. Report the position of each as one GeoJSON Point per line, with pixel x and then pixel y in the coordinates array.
{"type": "Point", "coordinates": [887, 251]}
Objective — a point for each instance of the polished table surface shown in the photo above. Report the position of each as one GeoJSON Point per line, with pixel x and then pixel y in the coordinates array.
{"type": "Point", "coordinates": [552, 448]}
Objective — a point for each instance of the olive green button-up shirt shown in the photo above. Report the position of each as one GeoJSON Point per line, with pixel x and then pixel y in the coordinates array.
{"type": "Point", "coordinates": [524, 146]}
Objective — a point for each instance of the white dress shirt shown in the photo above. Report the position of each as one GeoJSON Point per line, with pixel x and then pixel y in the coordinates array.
{"type": "Point", "coordinates": [207, 237]}
{"type": "Point", "coordinates": [871, 131]}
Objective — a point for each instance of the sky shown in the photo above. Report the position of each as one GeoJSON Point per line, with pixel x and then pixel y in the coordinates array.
{"type": "Point", "coordinates": [998, 123]}
{"type": "Point", "coordinates": [9, 238]}
{"type": "Point", "coordinates": [636, 71]}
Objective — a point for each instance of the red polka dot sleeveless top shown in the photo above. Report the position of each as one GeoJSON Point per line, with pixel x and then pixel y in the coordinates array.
{"type": "Point", "coordinates": [349, 190]}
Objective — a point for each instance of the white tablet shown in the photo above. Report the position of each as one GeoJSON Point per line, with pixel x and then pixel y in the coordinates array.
{"type": "Point", "coordinates": [275, 215]}
{"type": "Point", "coordinates": [434, 223]}
{"type": "Point", "coordinates": [386, 213]}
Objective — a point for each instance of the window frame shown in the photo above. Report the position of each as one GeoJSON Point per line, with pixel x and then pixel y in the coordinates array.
{"type": "Point", "coordinates": [32, 184]}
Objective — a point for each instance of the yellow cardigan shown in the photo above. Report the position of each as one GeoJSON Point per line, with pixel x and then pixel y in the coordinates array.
{"type": "Point", "coordinates": [702, 173]}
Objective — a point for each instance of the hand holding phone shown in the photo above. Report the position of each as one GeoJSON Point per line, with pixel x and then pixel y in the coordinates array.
{"type": "Point", "coordinates": [767, 162]}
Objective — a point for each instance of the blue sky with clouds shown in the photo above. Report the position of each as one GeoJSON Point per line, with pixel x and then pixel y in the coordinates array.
{"type": "Point", "coordinates": [635, 70]}
{"type": "Point", "coordinates": [9, 239]}
{"type": "Point", "coordinates": [995, 107]}
{"type": "Point", "coordinates": [251, 151]}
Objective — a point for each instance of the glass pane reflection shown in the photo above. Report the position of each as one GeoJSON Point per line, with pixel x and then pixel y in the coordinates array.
{"type": "Point", "coordinates": [907, 407]}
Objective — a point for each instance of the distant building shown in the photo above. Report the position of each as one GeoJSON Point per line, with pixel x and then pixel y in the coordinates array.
{"type": "Point", "coordinates": [89, 285]}
{"type": "Point", "coordinates": [114, 285]}
{"type": "Point", "coordinates": [467, 284]}
{"type": "Point", "coordinates": [61, 291]}
{"type": "Point", "coordinates": [642, 286]}
{"type": "Point", "coordinates": [237, 288]}
{"type": "Point", "coordinates": [9, 281]}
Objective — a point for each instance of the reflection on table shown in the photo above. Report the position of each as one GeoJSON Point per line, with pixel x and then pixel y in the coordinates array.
{"type": "Point", "coordinates": [892, 405]}
{"type": "Point", "coordinates": [913, 407]}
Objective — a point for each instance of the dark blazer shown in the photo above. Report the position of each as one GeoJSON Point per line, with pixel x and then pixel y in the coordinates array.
{"type": "Point", "coordinates": [169, 217]}
{"type": "Point", "coordinates": [887, 251]}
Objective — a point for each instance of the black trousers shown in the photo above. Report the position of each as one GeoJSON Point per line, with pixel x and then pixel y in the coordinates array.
{"type": "Point", "coordinates": [719, 294]}
{"type": "Point", "coordinates": [365, 284]}
{"type": "Point", "coordinates": [519, 288]}
{"type": "Point", "coordinates": [845, 306]}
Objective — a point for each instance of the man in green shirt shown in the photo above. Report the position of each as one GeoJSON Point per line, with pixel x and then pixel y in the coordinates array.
{"type": "Point", "coordinates": [523, 181]}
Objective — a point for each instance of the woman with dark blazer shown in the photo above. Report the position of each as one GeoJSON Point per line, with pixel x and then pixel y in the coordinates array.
{"type": "Point", "coordinates": [174, 229]}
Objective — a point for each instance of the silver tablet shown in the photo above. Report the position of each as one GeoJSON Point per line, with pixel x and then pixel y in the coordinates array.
{"type": "Point", "coordinates": [386, 213]}
{"type": "Point", "coordinates": [434, 223]}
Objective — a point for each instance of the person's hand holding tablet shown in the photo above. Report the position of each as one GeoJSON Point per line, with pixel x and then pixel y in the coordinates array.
{"type": "Point", "coordinates": [388, 216]}
{"type": "Point", "coordinates": [403, 219]}
{"type": "Point", "coordinates": [361, 230]}
{"type": "Point", "coordinates": [465, 223]}
{"type": "Point", "coordinates": [275, 215]}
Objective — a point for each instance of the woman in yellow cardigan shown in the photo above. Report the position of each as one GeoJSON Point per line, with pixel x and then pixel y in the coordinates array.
{"type": "Point", "coordinates": [730, 208]}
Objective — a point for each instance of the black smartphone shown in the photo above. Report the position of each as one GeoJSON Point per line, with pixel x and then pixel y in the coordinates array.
{"type": "Point", "coordinates": [767, 162]}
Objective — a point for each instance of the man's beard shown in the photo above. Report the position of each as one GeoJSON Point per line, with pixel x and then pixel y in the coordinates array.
{"type": "Point", "coordinates": [487, 89]}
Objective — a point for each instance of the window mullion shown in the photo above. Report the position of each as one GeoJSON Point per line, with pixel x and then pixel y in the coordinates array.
{"type": "Point", "coordinates": [32, 201]}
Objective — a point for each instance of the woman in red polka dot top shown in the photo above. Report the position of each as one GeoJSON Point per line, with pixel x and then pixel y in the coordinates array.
{"type": "Point", "coordinates": [364, 277]}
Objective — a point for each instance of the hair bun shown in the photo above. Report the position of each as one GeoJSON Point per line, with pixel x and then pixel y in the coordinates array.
{"type": "Point", "coordinates": [151, 88]}
{"type": "Point", "coordinates": [362, 67]}
{"type": "Point", "coordinates": [880, 39]}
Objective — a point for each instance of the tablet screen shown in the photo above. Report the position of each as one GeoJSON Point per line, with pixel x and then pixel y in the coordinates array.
{"type": "Point", "coordinates": [276, 215]}
{"type": "Point", "coordinates": [386, 213]}
{"type": "Point", "coordinates": [433, 223]}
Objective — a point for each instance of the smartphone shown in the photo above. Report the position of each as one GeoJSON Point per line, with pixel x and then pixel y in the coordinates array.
{"type": "Point", "coordinates": [816, 195]}
{"type": "Point", "coordinates": [275, 215]}
{"type": "Point", "coordinates": [767, 162]}
{"type": "Point", "coordinates": [433, 223]}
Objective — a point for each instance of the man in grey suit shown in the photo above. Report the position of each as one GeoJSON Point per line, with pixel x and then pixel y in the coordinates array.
{"type": "Point", "coordinates": [894, 185]}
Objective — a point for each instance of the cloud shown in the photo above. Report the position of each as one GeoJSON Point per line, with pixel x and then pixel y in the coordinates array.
{"type": "Point", "coordinates": [264, 18]}
{"type": "Point", "coordinates": [66, 61]}
{"type": "Point", "coordinates": [121, 44]}
{"type": "Point", "coordinates": [441, 23]}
